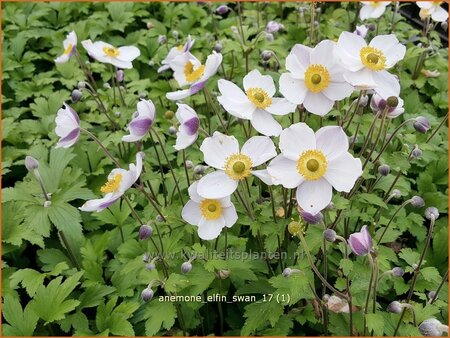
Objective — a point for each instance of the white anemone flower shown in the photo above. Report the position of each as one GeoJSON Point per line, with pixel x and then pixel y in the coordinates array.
{"type": "Point", "coordinates": [174, 52]}
{"type": "Point", "coordinates": [314, 163]}
{"type": "Point", "coordinates": [433, 9]}
{"type": "Point", "coordinates": [209, 215]}
{"type": "Point", "coordinates": [141, 122]}
{"type": "Point", "coordinates": [257, 103]}
{"type": "Point", "coordinates": [120, 57]}
{"type": "Point", "coordinates": [222, 152]}
{"type": "Point", "coordinates": [188, 71]}
{"type": "Point", "coordinates": [378, 104]}
{"type": "Point", "coordinates": [67, 127]}
{"type": "Point", "coordinates": [315, 78]}
{"type": "Point", "coordinates": [119, 181]}
{"type": "Point", "coordinates": [372, 9]}
{"type": "Point", "coordinates": [367, 64]}
{"type": "Point", "coordinates": [189, 124]}
{"type": "Point", "coordinates": [70, 45]}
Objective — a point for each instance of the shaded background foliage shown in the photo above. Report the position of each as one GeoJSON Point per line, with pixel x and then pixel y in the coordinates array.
{"type": "Point", "coordinates": [95, 290]}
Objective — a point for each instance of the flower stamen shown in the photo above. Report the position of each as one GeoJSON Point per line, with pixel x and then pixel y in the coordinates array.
{"type": "Point", "coordinates": [68, 49]}
{"type": "Point", "coordinates": [211, 209]}
{"type": "Point", "coordinates": [312, 164]}
{"type": "Point", "coordinates": [373, 58]}
{"type": "Point", "coordinates": [259, 97]}
{"type": "Point", "coordinates": [192, 74]}
{"type": "Point", "coordinates": [111, 51]}
{"type": "Point", "coordinates": [238, 166]}
{"type": "Point", "coordinates": [112, 184]}
{"type": "Point", "coordinates": [317, 78]}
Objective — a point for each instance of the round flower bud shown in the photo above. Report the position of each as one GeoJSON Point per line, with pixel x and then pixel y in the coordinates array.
{"type": "Point", "coordinates": [76, 95]}
{"type": "Point", "coordinates": [310, 218]}
{"type": "Point", "coordinates": [145, 257]}
{"type": "Point", "coordinates": [151, 63]}
{"type": "Point", "coordinates": [394, 307]}
{"type": "Point", "coordinates": [172, 130]}
{"type": "Point", "coordinates": [392, 101]}
{"type": "Point", "coordinates": [432, 327]}
{"type": "Point", "coordinates": [363, 101]}
{"type": "Point", "coordinates": [384, 170]}
{"type": "Point", "coordinates": [162, 39]}
{"type": "Point", "coordinates": [223, 274]}
{"type": "Point", "coordinates": [189, 164]}
{"type": "Point", "coordinates": [118, 114]}
{"type": "Point", "coordinates": [150, 25]}
{"type": "Point", "coordinates": [371, 27]}
{"type": "Point", "coordinates": [218, 48]}
{"type": "Point", "coordinates": [417, 202]}
{"type": "Point", "coordinates": [81, 85]}
{"type": "Point", "coordinates": [269, 37]}
{"type": "Point", "coordinates": [432, 212]}
{"type": "Point", "coordinates": [199, 169]}
{"type": "Point", "coordinates": [295, 228]}
{"type": "Point", "coordinates": [168, 115]}
{"type": "Point", "coordinates": [147, 294]}
{"type": "Point", "coordinates": [145, 231]}
{"type": "Point", "coordinates": [266, 55]}
{"type": "Point", "coordinates": [398, 272]}
{"type": "Point", "coordinates": [416, 153]}
{"type": "Point", "coordinates": [396, 193]}
{"type": "Point", "coordinates": [120, 75]}
{"type": "Point", "coordinates": [106, 85]}
{"type": "Point", "coordinates": [421, 124]}
{"type": "Point", "coordinates": [222, 9]}
{"type": "Point", "coordinates": [47, 204]}
{"type": "Point", "coordinates": [31, 163]}
{"type": "Point", "coordinates": [159, 218]}
{"type": "Point", "coordinates": [150, 266]}
{"type": "Point", "coordinates": [175, 34]}
{"type": "Point", "coordinates": [186, 267]}
{"type": "Point", "coordinates": [329, 235]}
{"type": "Point", "coordinates": [287, 272]}
{"type": "Point", "coordinates": [431, 295]}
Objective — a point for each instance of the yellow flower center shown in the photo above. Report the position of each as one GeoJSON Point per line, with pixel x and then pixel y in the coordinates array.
{"type": "Point", "coordinates": [111, 51]}
{"type": "Point", "coordinates": [112, 184]}
{"type": "Point", "coordinates": [372, 58]}
{"type": "Point", "coordinates": [437, 3]}
{"type": "Point", "coordinates": [259, 97]}
{"type": "Point", "coordinates": [68, 49]}
{"type": "Point", "coordinates": [375, 3]}
{"type": "Point", "coordinates": [180, 47]}
{"type": "Point", "coordinates": [312, 164]}
{"type": "Point", "coordinates": [192, 74]}
{"type": "Point", "coordinates": [211, 209]}
{"type": "Point", "coordinates": [238, 166]}
{"type": "Point", "coordinates": [317, 78]}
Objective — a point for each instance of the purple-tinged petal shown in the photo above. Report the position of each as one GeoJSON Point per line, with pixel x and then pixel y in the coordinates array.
{"type": "Point", "coordinates": [192, 125]}
{"type": "Point", "coordinates": [196, 87]}
{"type": "Point", "coordinates": [140, 126]}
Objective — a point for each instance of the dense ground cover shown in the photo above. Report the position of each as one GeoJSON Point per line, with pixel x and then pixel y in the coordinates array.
{"type": "Point", "coordinates": [68, 271]}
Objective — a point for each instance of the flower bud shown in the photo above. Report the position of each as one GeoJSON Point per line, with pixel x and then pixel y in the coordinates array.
{"type": "Point", "coordinates": [145, 231]}
{"type": "Point", "coordinates": [432, 327]}
{"type": "Point", "coordinates": [81, 85]}
{"type": "Point", "coordinates": [172, 130]}
{"type": "Point", "coordinates": [295, 228]}
{"type": "Point", "coordinates": [287, 272]}
{"type": "Point", "coordinates": [106, 85]}
{"type": "Point", "coordinates": [396, 193]}
{"type": "Point", "coordinates": [398, 272]}
{"type": "Point", "coordinates": [150, 266]}
{"type": "Point", "coordinates": [417, 202]}
{"type": "Point", "coordinates": [189, 164]}
{"type": "Point", "coordinates": [76, 95]}
{"type": "Point", "coordinates": [186, 267]}
{"type": "Point", "coordinates": [394, 307]}
{"type": "Point", "coordinates": [47, 204]}
{"type": "Point", "coordinates": [310, 218]}
{"type": "Point", "coordinates": [159, 218]}
{"type": "Point", "coordinates": [151, 63]}
{"type": "Point", "coordinates": [120, 75]}
{"type": "Point", "coordinates": [361, 242]}
{"type": "Point", "coordinates": [142, 96]}
{"type": "Point", "coordinates": [384, 170]}
{"type": "Point", "coordinates": [31, 163]}
{"type": "Point", "coordinates": [168, 115]}
{"type": "Point", "coordinates": [147, 294]}
{"type": "Point", "coordinates": [392, 101]}
{"type": "Point", "coordinates": [371, 27]}
{"type": "Point", "coordinates": [416, 152]}
{"type": "Point", "coordinates": [118, 114]}
{"type": "Point", "coordinates": [431, 295]}
{"type": "Point", "coordinates": [273, 27]}
{"type": "Point", "coordinates": [162, 39]}
{"type": "Point", "coordinates": [269, 37]}
{"type": "Point", "coordinates": [363, 101]}
{"type": "Point", "coordinates": [421, 124]}
{"type": "Point", "coordinates": [218, 48]}
{"type": "Point", "coordinates": [199, 169]}
{"type": "Point", "coordinates": [145, 257]}
{"type": "Point", "coordinates": [266, 55]}
{"type": "Point", "coordinates": [222, 9]}
{"type": "Point", "coordinates": [431, 212]}
{"type": "Point", "coordinates": [223, 274]}
{"type": "Point", "coordinates": [150, 25]}
{"type": "Point", "coordinates": [175, 34]}
{"type": "Point", "coordinates": [329, 235]}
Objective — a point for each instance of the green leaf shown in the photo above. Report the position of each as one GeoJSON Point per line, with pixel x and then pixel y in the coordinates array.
{"type": "Point", "coordinates": [29, 278]}
{"type": "Point", "coordinates": [259, 314]}
{"type": "Point", "coordinates": [20, 323]}
{"type": "Point", "coordinates": [346, 265]}
{"type": "Point", "coordinates": [375, 323]}
{"type": "Point", "coordinates": [114, 318]}
{"type": "Point", "coordinates": [161, 315]}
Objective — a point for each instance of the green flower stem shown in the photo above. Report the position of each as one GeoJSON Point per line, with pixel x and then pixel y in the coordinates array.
{"type": "Point", "coordinates": [383, 119]}
{"type": "Point", "coordinates": [161, 171]}
{"type": "Point", "coordinates": [417, 271]}
{"type": "Point", "coordinates": [38, 176]}
{"type": "Point", "coordinates": [355, 21]}
{"type": "Point", "coordinates": [366, 307]}
{"type": "Point", "coordinates": [72, 256]}
{"type": "Point", "coordinates": [185, 168]}
{"type": "Point", "coordinates": [437, 128]}
{"type": "Point", "coordinates": [211, 104]}
{"type": "Point", "coordinates": [393, 22]}
{"type": "Point", "coordinates": [368, 139]}
{"type": "Point", "coordinates": [272, 202]}
{"type": "Point", "coordinates": [404, 204]}
{"type": "Point", "coordinates": [170, 165]}
{"type": "Point", "coordinates": [355, 111]}
{"type": "Point", "coordinates": [312, 7]}
{"type": "Point", "coordinates": [444, 279]}
{"type": "Point", "coordinates": [316, 271]}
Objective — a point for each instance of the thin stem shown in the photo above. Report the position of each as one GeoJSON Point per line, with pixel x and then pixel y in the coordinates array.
{"type": "Point", "coordinates": [392, 218]}
{"type": "Point", "coordinates": [366, 307]}
{"type": "Point", "coordinates": [437, 128]}
{"type": "Point", "coordinates": [69, 250]}
{"type": "Point", "coordinates": [444, 279]}
{"type": "Point", "coordinates": [185, 167]}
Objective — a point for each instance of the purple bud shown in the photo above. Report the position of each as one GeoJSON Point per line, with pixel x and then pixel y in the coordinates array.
{"type": "Point", "coordinates": [186, 267]}
{"type": "Point", "coordinates": [432, 212]}
{"type": "Point", "coordinates": [417, 202]}
{"type": "Point", "coordinates": [76, 95]}
{"type": "Point", "coordinates": [329, 235]}
{"type": "Point", "coordinates": [384, 170]}
{"type": "Point", "coordinates": [199, 169]}
{"type": "Point", "coordinates": [218, 48]}
{"type": "Point", "coordinates": [120, 75]}
{"type": "Point", "coordinates": [273, 27]}
{"type": "Point", "coordinates": [371, 27]}
{"type": "Point", "coordinates": [145, 257]}
{"type": "Point", "coordinates": [269, 37]}
{"type": "Point", "coordinates": [394, 307]}
{"type": "Point", "coordinates": [398, 272]}
{"type": "Point", "coordinates": [266, 55]}
{"type": "Point", "coordinates": [361, 242]}
{"type": "Point", "coordinates": [431, 295]}
{"type": "Point", "coordinates": [162, 39]}
{"type": "Point", "coordinates": [150, 266]}
{"type": "Point", "coordinates": [416, 153]}
{"type": "Point", "coordinates": [145, 231]}
{"type": "Point", "coordinates": [147, 294]}
{"type": "Point", "coordinates": [432, 327]}
{"type": "Point", "coordinates": [159, 218]}
{"type": "Point", "coordinates": [287, 272]}
{"type": "Point", "coordinates": [222, 9]}
{"type": "Point", "coordinates": [396, 193]}
{"type": "Point", "coordinates": [31, 163]}
{"type": "Point", "coordinates": [175, 34]}
{"type": "Point", "coordinates": [421, 124]}
{"type": "Point", "coordinates": [310, 218]}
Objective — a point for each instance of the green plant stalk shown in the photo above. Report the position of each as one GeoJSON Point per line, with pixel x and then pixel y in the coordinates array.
{"type": "Point", "coordinates": [437, 129]}
{"type": "Point", "coordinates": [383, 119]}
{"type": "Point", "coordinates": [366, 307]}
{"type": "Point", "coordinates": [185, 168]}
{"type": "Point", "coordinates": [439, 287]}
{"type": "Point", "coordinates": [161, 171]}
{"type": "Point", "coordinates": [392, 218]}
{"type": "Point", "coordinates": [72, 256]}
{"type": "Point", "coordinates": [214, 108]}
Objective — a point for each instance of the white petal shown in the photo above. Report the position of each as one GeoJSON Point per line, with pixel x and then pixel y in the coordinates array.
{"type": "Point", "coordinates": [292, 89]}
{"type": "Point", "coordinates": [440, 14]}
{"type": "Point", "coordinates": [314, 196]}
{"type": "Point", "coordinates": [321, 54]}
{"type": "Point", "coordinates": [218, 148]}
{"type": "Point", "coordinates": [260, 149]}
{"type": "Point", "coordinates": [362, 79]}
{"type": "Point", "coordinates": [191, 213]}
{"type": "Point", "coordinates": [230, 216]}
{"type": "Point", "coordinates": [298, 60]}
{"type": "Point", "coordinates": [234, 100]}
{"type": "Point", "coordinates": [365, 12]}
{"type": "Point", "coordinates": [264, 176]}
{"type": "Point", "coordinates": [101, 203]}
{"type": "Point", "coordinates": [62, 58]}
{"type": "Point", "coordinates": [332, 141]}
{"type": "Point", "coordinates": [184, 140]}
{"type": "Point", "coordinates": [387, 84]}
{"type": "Point", "coordinates": [347, 50]}
{"type": "Point", "coordinates": [210, 229]}
{"type": "Point", "coordinates": [193, 194]}
{"type": "Point", "coordinates": [284, 171]}
{"type": "Point", "coordinates": [128, 53]}
{"type": "Point", "coordinates": [265, 123]}
{"type": "Point", "coordinates": [121, 64]}
{"type": "Point", "coordinates": [212, 64]}
{"type": "Point", "coordinates": [281, 106]}
{"type": "Point", "coordinates": [391, 48]}
{"type": "Point", "coordinates": [318, 103]}
{"type": "Point", "coordinates": [255, 79]}
{"type": "Point", "coordinates": [184, 113]}
{"type": "Point", "coordinates": [338, 90]}
{"type": "Point", "coordinates": [178, 95]}
{"type": "Point", "coordinates": [296, 139]}
{"type": "Point", "coordinates": [216, 185]}
{"type": "Point", "coordinates": [343, 171]}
